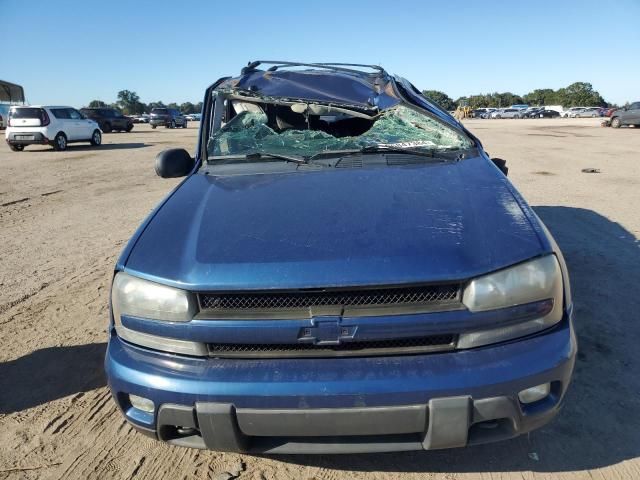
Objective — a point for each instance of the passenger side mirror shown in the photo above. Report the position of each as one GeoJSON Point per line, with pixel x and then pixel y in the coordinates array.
{"type": "Point", "coordinates": [174, 162]}
{"type": "Point", "coordinates": [501, 164]}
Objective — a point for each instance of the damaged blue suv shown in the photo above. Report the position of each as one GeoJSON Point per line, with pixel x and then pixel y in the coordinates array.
{"type": "Point", "coordinates": [343, 269]}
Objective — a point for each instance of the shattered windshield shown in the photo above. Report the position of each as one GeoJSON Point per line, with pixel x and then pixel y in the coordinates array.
{"type": "Point", "coordinates": [309, 129]}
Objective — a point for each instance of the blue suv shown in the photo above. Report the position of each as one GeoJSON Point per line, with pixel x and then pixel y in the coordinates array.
{"type": "Point", "coordinates": [343, 269]}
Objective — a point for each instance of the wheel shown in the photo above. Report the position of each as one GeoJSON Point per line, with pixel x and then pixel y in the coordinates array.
{"type": "Point", "coordinates": [96, 138]}
{"type": "Point", "coordinates": [106, 128]}
{"type": "Point", "coordinates": [593, 116]}
{"type": "Point", "coordinates": [60, 142]}
{"type": "Point", "coordinates": [498, 116]}
{"type": "Point", "coordinates": [16, 148]}
{"type": "Point", "coordinates": [185, 124]}
{"type": "Point", "coordinates": [173, 124]}
{"type": "Point", "coordinates": [129, 127]}
{"type": "Point", "coordinates": [153, 126]}
{"type": "Point", "coordinates": [615, 122]}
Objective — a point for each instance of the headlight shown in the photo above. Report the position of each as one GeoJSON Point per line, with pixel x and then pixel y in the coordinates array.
{"type": "Point", "coordinates": [135, 297]}
{"type": "Point", "coordinates": [132, 296]}
{"type": "Point", "coordinates": [533, 281]}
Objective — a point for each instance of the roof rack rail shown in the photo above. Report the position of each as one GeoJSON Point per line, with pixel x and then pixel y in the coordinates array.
{"type": "Point", "coordinates": [340, 67]}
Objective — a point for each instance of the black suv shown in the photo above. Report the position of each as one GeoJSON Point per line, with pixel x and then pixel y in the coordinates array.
{"type": "Point", "coordinates": [109, 119]}
{"type": "Point", "coordinates": [169, 117]}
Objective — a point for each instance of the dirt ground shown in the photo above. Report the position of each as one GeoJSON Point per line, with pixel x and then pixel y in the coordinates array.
{"type": "Point", "coordinates": [64, 217]}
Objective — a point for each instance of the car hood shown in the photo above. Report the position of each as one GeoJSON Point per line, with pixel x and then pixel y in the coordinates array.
{"type": "Point", "coordinates": [336, 227]}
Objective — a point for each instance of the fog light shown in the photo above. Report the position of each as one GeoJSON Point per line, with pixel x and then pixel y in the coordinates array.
{"type": "Point", "coordinates": [534, 394]}
{"type": "Point", "coordinates": [141, 403]}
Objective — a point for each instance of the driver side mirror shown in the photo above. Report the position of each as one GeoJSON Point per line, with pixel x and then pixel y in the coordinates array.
{"type": "Point", "coordinates": [174, 162]}
{"type": "Point", "coordinates": [501, 164]}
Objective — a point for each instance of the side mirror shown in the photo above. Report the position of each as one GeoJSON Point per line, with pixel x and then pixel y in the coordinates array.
{"type": "Point", "coordinates": [501, 164]}
{"type": "Point", "coordinates": [175, 162]}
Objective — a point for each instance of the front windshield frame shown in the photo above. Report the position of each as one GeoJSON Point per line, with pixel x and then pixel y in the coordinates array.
{"type": "Point", "coordinates": [220, 103]}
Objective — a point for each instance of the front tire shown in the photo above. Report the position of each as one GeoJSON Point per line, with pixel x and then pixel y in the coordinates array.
{"type": "Point", "coordinates": [173, 124]}
{"type": "Point", "coordinates": [96, 138]}
{"type": "Point", "coordinates": [153, 126]}
{"type": "Point", "coordinates": [615, 122]}
{"type": "Point", "coordinates": [129, 128]}
{"type": "Point", "coordinates": [106, 128]}
{"type": "Point", "coordinates": [16, 148]}
{"type": "Point", "coordinates": [60, 142]}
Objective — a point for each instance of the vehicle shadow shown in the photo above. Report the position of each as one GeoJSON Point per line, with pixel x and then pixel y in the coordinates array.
{"type": "Point", "coordinates": [599, 425]}
{"type": "Point", "coordinates": [50, 373]}
{"type": "Point", "coordinates": [105, 146]}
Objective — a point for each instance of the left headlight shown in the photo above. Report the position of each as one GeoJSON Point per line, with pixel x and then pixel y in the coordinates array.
{"type": "Point", "coordinates": [136, 297]}
{"type": "Point", "coordinates": [533, 281]}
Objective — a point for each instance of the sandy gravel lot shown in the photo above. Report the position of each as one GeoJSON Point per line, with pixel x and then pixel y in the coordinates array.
{"type": "Point", "coordinates": [64, 217]}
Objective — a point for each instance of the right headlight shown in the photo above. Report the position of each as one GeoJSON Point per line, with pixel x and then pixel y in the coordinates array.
{"type": "Point", "coordinates": [533, 281]}
{"type": "Point", "coordinates": [135, 297]}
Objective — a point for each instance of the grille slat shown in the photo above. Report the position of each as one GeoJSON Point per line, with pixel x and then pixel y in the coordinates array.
{"type": "Point", "coordinates": [397, 346]}
{"type": "Point", "coordinates": [430, 294]}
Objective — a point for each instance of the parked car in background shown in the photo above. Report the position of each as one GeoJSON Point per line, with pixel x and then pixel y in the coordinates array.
{"type": "Point", "coordinates": [193, 117]}
{"type": "Point", "coordinates": [626, 116]}
{"type": "Point", "coordinates": [109, 119]}
{"type": "Point", "coordinates": [478, 112]}
{"type": "Point", "coordinates": [508, 113]}
{"type": "Point", "coordinates": [488, 112]}
{"type": "Point", "coordinates": [50, 125]}
{"type": "Point", "coordinates": [308, 287]}
{"type": "Point", "coordinates": [545, 113]}
{"type": "Point", "coordinates": [607, 111]}
{"type": "Point", "coordinates": [587, 112]}
{"type": "Point", "coordinates": [144, 118]}
{"type": "Point", "coordinates": [531, 112]}
{"type": "Point", "coordinates": [570, 112]}
{"type": "Point", "coordinates": [167, 117]}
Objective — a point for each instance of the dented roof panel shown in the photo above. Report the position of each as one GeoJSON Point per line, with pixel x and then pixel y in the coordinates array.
{"type": "Point", "coordinates": [364, 90]}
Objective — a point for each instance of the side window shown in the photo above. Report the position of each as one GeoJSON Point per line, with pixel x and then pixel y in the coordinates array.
{"type": "Point", "coordinates": [60, 113]}
{"type": "Point", "coordinates": [74, 114]}
{"type": "Point", "coordinates": [635, 106]}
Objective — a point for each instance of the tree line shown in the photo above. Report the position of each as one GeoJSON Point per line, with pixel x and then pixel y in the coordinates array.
{"type": "Point", "coordinates": [129, 104]}
{"type": "Point", "coordinates": [578, 94]}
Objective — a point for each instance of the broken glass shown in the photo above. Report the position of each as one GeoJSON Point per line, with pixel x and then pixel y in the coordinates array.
{"type": "Point", "coordinates": [401, 127]}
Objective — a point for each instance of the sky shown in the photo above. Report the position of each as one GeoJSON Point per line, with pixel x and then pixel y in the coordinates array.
{"type": "Point", "coordinates": [83, 50]}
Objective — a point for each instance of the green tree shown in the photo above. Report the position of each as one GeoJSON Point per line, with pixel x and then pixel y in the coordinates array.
{"type": "Point", "coordinates": [97, 104]}
{"type": "Point", "coordinates": [187, 107]}
{"type": "Point", "coordinates": [441, 99]}
{"type": "Point", "coordinates": [173, 105]}
{"type": "Point", "coordinates": [581, 94]}
{"type": "Point", "coordinates": [129, 102]}
{"type": "Point", "coordinates": [541, 96]}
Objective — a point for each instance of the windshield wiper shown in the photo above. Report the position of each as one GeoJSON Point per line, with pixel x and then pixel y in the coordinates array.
{"type": "Point", "coordinates": [391, 149]}
{"type": "Point", "coordinates": [431, 153]}
{"type": "Point", "coordinates": [261, 155]}
{"type": "Point", "coordinates": [287, 158]}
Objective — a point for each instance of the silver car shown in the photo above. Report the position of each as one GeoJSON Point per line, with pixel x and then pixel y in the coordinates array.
{"type": "Point", "coordinates": [587, 112]}
{"type": "Point", "coordinates": [507, 113]}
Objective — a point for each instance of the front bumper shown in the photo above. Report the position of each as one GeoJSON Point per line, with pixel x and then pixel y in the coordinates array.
{"type": "Point", "coordinates": [344, 405]}
{"type": "Point", "coordinates": [27, 138]}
